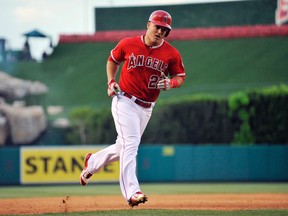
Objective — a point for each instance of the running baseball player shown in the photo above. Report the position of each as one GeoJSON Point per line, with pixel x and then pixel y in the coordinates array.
{"type": "Point", "coordinates": [150, 65]}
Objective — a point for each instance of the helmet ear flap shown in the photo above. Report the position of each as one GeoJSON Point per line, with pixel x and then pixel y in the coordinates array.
{"type": "Point", "coordinates": [148, 23]}
{"type": "Point", "coordinates": [167, 33]}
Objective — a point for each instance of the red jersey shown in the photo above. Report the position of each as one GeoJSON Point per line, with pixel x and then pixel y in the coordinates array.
{"type": "Point", "coordinates": [143, 66]}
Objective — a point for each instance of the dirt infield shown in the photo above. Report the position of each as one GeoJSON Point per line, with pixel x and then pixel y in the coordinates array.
{"type": "Point", "coordinates": [193, 202]}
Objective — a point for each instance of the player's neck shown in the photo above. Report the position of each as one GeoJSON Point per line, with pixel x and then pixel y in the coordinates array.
{"type": "Point", "coordinates": [150, 43]}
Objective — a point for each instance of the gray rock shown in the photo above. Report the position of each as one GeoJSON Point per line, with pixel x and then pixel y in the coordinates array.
{"type": "Point", "coordinates": [3, 130]}
{"type": "Point", "coordinates": [15, 88]}
{"type": "Point", "coordinates": [25, 123]}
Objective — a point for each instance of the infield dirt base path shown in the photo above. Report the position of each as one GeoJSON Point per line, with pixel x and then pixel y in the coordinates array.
{"type": "Point", "coordinates": [191, 202]}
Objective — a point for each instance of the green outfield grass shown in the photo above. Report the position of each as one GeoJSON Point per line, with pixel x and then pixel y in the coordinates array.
{"type": "Point", "coordinates": [178, 213]}
{"type": "Point", "coordinates": [159, 188]}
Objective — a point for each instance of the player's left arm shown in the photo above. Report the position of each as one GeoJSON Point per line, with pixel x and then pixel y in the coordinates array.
{"type": "Point", "coordinates": [177, 81]}
{"type": "Point", "coordinates": [177, 75]}
{"type": "Point", "coordinates": [168, 83]}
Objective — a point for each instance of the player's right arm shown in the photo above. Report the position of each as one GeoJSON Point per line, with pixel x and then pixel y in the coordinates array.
{"type": "Point", "coordinates": [114, 60]}
{"type": "Point", "coordinates": [112, 69]}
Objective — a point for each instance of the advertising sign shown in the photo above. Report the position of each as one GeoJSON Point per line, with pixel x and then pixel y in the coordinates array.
{"type": "Point", "coordinates": [281, 14]}
{"type": "Point", "coordinates": [40, 165]}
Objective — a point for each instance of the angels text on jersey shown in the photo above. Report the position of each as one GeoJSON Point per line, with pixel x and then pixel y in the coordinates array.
{"type": "Point", "coordinates": [149, 62]}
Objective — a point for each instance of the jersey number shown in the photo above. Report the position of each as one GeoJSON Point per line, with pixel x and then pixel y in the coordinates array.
{"type": "Point", "coordinates": [153, 82]}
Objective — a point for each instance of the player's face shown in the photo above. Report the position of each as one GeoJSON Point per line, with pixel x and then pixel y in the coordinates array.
{"type": "Point", "coordinates": [154, 34]}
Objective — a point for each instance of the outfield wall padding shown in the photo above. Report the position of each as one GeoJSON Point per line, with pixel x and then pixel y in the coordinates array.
{"type": "Point", "coordinates": [213, 163]}
{"type": "Point", "coordinates": [9, 166]}
{"type": "Point", "coordinates": [156, 163]}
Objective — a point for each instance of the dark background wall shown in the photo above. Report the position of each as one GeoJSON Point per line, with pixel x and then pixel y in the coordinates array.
{"type": "Point", "coordinates": [249, 12]}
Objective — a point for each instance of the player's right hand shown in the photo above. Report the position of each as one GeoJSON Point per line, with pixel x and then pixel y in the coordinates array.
{"type": "Point", "coordinates": [113, 88]}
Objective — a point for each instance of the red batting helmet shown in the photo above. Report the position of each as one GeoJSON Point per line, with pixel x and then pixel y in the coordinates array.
{"type": "Point", "coordinates": [161, 18]}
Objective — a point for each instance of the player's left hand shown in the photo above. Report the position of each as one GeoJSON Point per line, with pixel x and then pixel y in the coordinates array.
{"type": "Point", "coordinates": [166, 84]}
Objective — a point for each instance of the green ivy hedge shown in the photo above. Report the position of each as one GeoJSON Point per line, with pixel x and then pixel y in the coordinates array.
{"type": "Point", "coordinates": [192, 121]}
{"type": "Point", "coordinates": [249, 117]}
{"type": "Point", "coordinates": [269, 114]}
{"type": "Point", "coordinates": [91, 126]}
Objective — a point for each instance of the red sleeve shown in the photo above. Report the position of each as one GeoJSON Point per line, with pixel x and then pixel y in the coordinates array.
{"type": "Point", "coordinates": [177, 67]}
{"type": "Point", "coordinates": [118, 54]}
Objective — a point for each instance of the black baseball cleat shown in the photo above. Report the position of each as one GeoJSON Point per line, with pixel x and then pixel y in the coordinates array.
{"type": "Point", "coordinates": [137, 198]}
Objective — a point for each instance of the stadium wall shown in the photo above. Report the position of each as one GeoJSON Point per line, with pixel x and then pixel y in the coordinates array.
{"type": "Point", "coordinates": [219, 14]}
{"type": "Point", "coordinates": [184, 34]}
{"type": "Point", "coordinates": [156, 163]}
{"type": "Point", "coordinates": [213, 163]}
{"type": "Point", "coordinates": [220, 20]}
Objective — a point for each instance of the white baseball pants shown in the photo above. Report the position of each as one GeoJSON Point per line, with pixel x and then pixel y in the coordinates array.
{"type": "Point", "coordinates": [130, 121]}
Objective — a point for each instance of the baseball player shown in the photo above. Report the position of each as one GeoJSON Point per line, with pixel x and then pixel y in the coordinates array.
{"type": "Point", "coordinates": [150, 65]}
